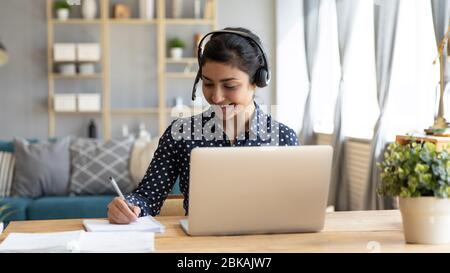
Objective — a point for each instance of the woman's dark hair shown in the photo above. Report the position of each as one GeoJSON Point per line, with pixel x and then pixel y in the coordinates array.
{"type": "Point", "coordinates": [234, 50]}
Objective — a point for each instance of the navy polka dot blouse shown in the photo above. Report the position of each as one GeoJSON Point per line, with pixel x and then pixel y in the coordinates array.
{"type": "Point", "coordinates": [172, 157]}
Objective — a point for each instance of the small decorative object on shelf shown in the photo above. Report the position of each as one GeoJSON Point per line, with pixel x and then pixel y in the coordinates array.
{"type": "Point", "coordinates": [441, 127]}
{"type": "Point", "coordinates": [417, 172]}
{"type": "Point", "coordinates": [178, 102]}
{"type": "Point", "coordinates": [179, 109]}
{"type": "Point", "coordinates": [125, 131]}
{"type": "Point", "coordinates": [121, 11]}
{"type": "Point", "coordinates": [3, 54]}
{"type": "Point", "coordinates": [177, 10]}
{"type": "Point", "coordinates": [143, 133]}
{"type": "Point", "coordinates": [190, 68]}
{"type": "Point", "coordinates": [198, 102]}
{"type": "Point", "coordinates": [86, 69]}
{"type": "Point", "coordinates": [67, 69]}
{"type": "Point", "coordinates": [197, 38]}
{"type": "Point", "coordinates": [92, 129]}
{"type": "Point", "coordinates": [197, 14]}
{"type": "Point", "coordinates": [62, 9]}
{"type": "Point", "coordinates": [89, 9]}
{"type": "Point", "coordinates": [147, 9]}
{"type": "Point", "coordinates": [176, 46]}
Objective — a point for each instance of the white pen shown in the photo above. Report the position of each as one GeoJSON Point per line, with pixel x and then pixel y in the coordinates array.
{"type": "Point", "coordinates": [119, 192]}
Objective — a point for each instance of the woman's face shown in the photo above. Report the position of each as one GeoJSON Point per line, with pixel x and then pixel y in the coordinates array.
{"type": "Point", "coordinates": [227, 89]}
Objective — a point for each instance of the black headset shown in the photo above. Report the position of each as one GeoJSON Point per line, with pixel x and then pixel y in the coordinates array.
{"type": "Point", "coordinates": [262, 75]}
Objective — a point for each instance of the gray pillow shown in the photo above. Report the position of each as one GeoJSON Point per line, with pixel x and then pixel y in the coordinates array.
{"type": "Point", "coordinates": [93, 162]}
{"type": "Point", "coordinates": [42, 169]}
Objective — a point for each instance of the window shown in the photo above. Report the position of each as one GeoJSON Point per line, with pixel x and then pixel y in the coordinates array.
{"type": "Point", "coordinates": [411, 103]}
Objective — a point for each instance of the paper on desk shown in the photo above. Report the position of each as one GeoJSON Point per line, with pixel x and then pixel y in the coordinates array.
{"type": "Point", "coordinates": [79, 241]}
{"type": "Point", "coordinates": [39, 242]}
{"type": "Point", "coordinates": [146, 223]}
{"type": "Point", "coordinates": [123, 242]}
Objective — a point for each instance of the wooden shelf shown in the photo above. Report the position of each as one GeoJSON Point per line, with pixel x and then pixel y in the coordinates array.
{"type": "Point", "coordinates": [182, 61]}
{"type": "Point", "coordinates": [77, 62]}
{"type": "Point", "coordinates": [79, 112]}
{"type": "Point", "coordinates": [76, 22]}
{"type": "Point", "coordinates": [106, 25]}
{"type": "Point", "coordinates": [77, 76]}
{"type": "Point", "coordinates": [134, 111]}
{"type": "Point", "coordinates": [132, 21]}
{"type": "Point", "coordinates": [181, 75]}
{"type": "Point", "coordinates": [189, 21]}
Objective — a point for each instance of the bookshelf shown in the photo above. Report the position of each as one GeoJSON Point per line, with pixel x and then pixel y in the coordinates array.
{"type": "Point", "coordinates": [162, 24]}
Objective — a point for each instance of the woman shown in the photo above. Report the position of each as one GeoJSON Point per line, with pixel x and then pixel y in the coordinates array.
{"type": "Point", "coordinates": [232, 65]}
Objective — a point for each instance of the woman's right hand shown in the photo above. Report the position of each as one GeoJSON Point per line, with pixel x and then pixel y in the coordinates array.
{"type": "Point", "coordinates": [120, 213]}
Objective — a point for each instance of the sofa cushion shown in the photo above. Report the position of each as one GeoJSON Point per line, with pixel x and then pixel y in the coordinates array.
{"type": "Point", "coordinates": [17, 208]}
{"type": "Point", "coordinates": [94, 161]}
{"type": "Point", "coordinates": [71, 207]}
{"type": "Point", "coordinates": [41, 169]}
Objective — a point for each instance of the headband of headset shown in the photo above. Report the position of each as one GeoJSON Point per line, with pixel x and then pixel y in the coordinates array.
{"type": "Point", "coordinates": [262, 75]}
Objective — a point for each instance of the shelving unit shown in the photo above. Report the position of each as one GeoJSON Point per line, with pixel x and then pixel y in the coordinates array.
{"type": "Point", "coordinates": [105, 22]}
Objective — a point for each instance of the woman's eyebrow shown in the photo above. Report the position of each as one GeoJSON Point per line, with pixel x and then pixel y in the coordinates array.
{"type": "Point", "coordinates": [223, 80]}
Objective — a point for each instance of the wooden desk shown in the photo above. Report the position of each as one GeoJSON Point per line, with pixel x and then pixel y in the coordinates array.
{"type": "Point", "coordinates": [357, 231]}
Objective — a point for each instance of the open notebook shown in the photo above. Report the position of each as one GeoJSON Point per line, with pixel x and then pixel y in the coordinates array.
{"type": "Point", "coordinates": [146, 223]}
{"type": "Point", "coordinates": [79, 241]}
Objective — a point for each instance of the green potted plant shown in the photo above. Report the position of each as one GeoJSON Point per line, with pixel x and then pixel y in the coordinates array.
{"type": "Point", "coordinates": [176, 46]}
{"type": "Point", "coordinates": [419, 175]}
{"type": "Point", "coordinates": [62, 9]}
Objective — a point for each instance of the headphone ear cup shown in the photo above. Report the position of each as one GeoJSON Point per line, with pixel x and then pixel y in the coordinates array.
{"type": "Point", "coordinates": [262, 77]}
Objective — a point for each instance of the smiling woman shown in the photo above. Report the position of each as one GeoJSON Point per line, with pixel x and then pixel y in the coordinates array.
{"type": "Point", "coordinates": [232, 66]}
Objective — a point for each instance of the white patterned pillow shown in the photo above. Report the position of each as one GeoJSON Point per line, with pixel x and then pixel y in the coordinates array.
{"type": "Point", "coordinates": [93, 162]}
{"type": "Point", "coordinates": [7, 162]}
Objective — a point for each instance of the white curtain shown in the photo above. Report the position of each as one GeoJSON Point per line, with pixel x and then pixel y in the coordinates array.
{"type": "Point", "coordinates": [348, 14]}
{"type": "Point", "coordinates": [386, 16]}
{"type": "Point", "coordinates": [406, 80]}
{"type": "Point", "coordinates": [311, 25]}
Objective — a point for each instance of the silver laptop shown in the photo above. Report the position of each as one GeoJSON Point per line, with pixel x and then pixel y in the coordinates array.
{"type": "Point", "coordinates": [255, 190]}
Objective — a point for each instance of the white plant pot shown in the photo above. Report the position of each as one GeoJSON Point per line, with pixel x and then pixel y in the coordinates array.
{"type": "Point", "coordinates": [176, 53]}
{"type": "Point", "coordinates": [89, 9]}
{"type": "Point", "coordinates": [426, 220]}
{"type": "Point", "coordinates": [63, 14]}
